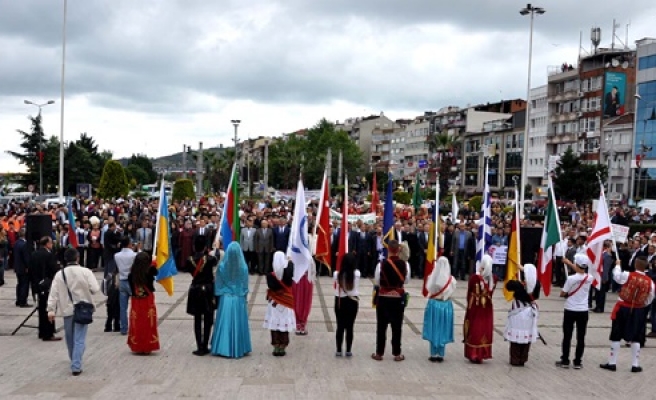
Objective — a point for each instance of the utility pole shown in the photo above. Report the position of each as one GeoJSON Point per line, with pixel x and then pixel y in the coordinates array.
{"type": "Point", "coordinates": [235, 123]}
{"type": "Point", "coordinates": [184, 161]}
{"type": "Point", "coordinates": [339, 168]}
{"type": "Point", "coordinates": [199, 170]}
{"type": "Point", "coordinates": [329, 165]}
{"type": "Point", "coordinates": [266, 168]}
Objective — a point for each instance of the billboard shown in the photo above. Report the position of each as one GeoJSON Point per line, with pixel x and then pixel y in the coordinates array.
{"type": "Point", "coordinates": [614, 94]}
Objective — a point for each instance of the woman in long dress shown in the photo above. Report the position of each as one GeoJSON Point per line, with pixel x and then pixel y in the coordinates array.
{"type": "Point", "coordinates": [231, 337]}
{"type": "Point", "coordinates": [479, 317]}
{"type": "Point", "coordinates": [280, 318]}
{"type": "Point", "coordinates": [438, 315]}
{"type": "Point", "coordinates": [522, 325]}
{"type": "Point", "coordinates": [142, 332]}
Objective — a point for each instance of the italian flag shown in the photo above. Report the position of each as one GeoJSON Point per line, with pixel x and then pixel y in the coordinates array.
{"type": "Point", "coordinates": [550, 236]}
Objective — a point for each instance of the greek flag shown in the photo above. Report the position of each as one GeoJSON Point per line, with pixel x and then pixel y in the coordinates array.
{"type": "Point", "coordinates": [299, 244]}
{"type": "Point", "coordinates": [484, 225]}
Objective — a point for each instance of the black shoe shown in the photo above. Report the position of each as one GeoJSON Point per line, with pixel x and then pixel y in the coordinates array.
{"type": "Point", "coordinates": [636, 369]}
{"type": "Point", "coordinates": [435, 359]}
{"type": "Point", "coordinates": [200, 352]}
{"type": "Point", "coordinates": [25, 305]}
{"type": "Point", "coordinates": [578, 366]}
{"type": "Point", "coordinates": [561, 364]}
{"type": "Point", "coordinates": [610, 367]}
{"type": "Point", "coordinates": [108, 329]}
{"type": "Point", "coordinates": [77, 373]}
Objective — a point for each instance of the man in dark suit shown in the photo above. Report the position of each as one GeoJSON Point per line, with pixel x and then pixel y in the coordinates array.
{"type": "Point", "coordinates": [363, 250]}
{"type": "Point", "coordinates": [264, 248]}
{"type": "Point", "coordinates": [334, 244]}
{"type": "Point", "coordinates": [42, 269]}
{"type": "Point", "coordinates": [281, 235]}
{"type": "Point", "coordinates": [21, 262]}
{"type": "Point", "coordinates": [110, 247]}
{"type": "Point", "coordinates": [422, 246]}
{"type": "Point", "coordinates": [398, 233]}
{"type": "Point", "coordinates": [459, 251]}
{"type": "Point", "coordinates": [448, 240]}
{"type": "Point", "coordinates": [204, 232]}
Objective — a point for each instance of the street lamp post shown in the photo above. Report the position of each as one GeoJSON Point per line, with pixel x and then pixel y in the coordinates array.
{"type": "Point", "coordinates": [528, 10]}
{"type": "Point", "coordinates": [40, 141]}
{"type": "Point", "coordinates": [235, 123]}
{"type": "Point", "coordinates": [61, 127]}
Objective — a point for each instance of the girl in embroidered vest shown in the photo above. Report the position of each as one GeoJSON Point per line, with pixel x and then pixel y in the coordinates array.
{"type": "Point", "coordinates": [522, 324]}
{"type": "Point", "coordinates": [201, 301]}
{"type": "Point", "coordinates": [438, 315]}
{"type": "Point", "coordinates": [142, 334]}
{"type": "Point", "coordinates": [280, 318]}
{"type": "Point", "coordinates": [479, 317]}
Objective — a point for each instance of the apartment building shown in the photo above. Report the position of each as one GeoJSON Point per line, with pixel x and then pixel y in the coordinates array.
{"type": "Point", "coordinates": [537, 137]}
{"type": "Point", "coordinates": [360, 130]}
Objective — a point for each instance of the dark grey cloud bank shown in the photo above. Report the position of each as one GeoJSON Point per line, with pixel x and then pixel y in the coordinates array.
{"type": "Point", "coordinates": [153, 56]}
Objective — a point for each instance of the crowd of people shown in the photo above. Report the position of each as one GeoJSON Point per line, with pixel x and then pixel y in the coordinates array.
{"type": "Point", "coordinates": [117, 238]}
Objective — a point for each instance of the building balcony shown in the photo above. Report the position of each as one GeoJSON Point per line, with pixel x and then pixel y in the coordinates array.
{"type": "Point", "coordinates": [616, 172]}
{"type": "Point", "coordinates": [559, 138]}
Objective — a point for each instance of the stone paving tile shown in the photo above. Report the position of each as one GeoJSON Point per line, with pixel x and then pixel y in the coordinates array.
{"type": "Point", "coordinates": [30, 368]}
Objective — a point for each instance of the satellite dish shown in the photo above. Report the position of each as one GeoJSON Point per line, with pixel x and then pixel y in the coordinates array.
{"type": "Point", "coordinates": [625, 64]}
{"type": "Point", "coordinates": [607, 65]}
{"type": "Point", "coordinates": [615, 62]}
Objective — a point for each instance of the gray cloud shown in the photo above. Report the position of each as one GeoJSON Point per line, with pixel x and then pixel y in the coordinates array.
{"type": "Point", "coordinates": [154, 56]}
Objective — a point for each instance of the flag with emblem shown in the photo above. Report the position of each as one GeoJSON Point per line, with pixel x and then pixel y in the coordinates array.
{"type": "Point", "coordinates": [550, 237]}
{"type": "Point", "coordinates": [299, 244]}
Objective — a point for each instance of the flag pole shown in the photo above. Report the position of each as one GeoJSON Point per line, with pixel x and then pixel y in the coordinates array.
{"type": "Point", "coordinates": [518, 227]}
{"type": "Point", "coordinates": [603, 196]}
{"type": "Point", "coordinates": [159, 206]}
{"type": "Point", "coordinates": [437, 215]}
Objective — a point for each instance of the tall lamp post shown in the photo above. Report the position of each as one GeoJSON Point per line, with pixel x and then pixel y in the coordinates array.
{"type": "Point", "coordinates": [528, 10]}
{"type": "Point", "coordinates": [40, 141]}
{"type": "Point", "coordinates": [60, 192]}
{"type": "Point", "coordinates": [235, 123]}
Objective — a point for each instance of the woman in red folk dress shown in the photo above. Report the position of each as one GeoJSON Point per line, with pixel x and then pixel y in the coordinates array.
{"type": "Point", "coordinates": [142, 333]}
{"type": "Point", "coordinates": [479, 317]}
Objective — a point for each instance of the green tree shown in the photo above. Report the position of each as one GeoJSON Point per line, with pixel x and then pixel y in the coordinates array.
{"type": "Point", "coordinates": [183, 189]}
{"type": "Point", "coordinates": [381, 180]}
{"type": "Point", "coordinates": [134, 171]}
{"type": "Point", "coordinates": [475, 203]}
{"type": "Point", "coordinates": [285, 161]}
{"type": "Point", "coordinates": [146, 165]}
{"type": "Point", "coordinates": [575, 180]}
{"type": "Point", "coordinates": [113, 182]}
{"type": "Point", "coordinates": [446, 148]}
{"type": "Point", "coordinates": [78, 167]}
{"type": "Point", "coordinates": [402, 197]}
{"type": "Point", "coordinates": [220, 169]}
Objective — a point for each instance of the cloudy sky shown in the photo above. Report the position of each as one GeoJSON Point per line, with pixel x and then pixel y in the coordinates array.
{"type": "Point", "coordinates": [151, 75]}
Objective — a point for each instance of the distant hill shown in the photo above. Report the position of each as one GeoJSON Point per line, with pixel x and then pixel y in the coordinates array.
{"type": "Point", "coordinates": [175, 160]}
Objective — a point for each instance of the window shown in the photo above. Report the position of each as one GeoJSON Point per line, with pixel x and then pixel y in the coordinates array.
{"type": "Point", "coordinates": [471, 179]}
{"type": "Point", "coordinates": [647, 62]}
{"type": "Point", "coordinates": [508, 180]}
{"type": "Point", "coordinates": [619, 187]}
{"type": "Point", "coordinates": [471, 162]}
{"type": "Point", "coordinates": [513, 160]}
{"type": "Point", "coordinates": [493, 177]}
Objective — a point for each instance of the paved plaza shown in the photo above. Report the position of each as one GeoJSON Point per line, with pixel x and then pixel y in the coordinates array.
{"type": "Point", "coordinates": [31, 368]}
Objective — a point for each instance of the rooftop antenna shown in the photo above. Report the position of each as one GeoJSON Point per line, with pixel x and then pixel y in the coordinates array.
{"type": "Point", "coordinates": [626, 38]}
{"type": "Point", "coordinates": [595, 37]}
{"type": "Point", "coordinates": [615, 26]}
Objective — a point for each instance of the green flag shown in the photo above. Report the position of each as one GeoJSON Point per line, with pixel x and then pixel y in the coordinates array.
{"type": "Point", "coordinates": [416, 196]}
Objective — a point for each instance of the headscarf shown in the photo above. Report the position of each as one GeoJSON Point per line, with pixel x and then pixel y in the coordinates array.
{"type": "Point", "coordinates": [232, 274]}
{"type": "Point", "coordinates": [530, 277]}
{"type": "Point", "coordinates": [485, 270]}
{"type": "Point", "coordinates": [404, 253]}
{"type": "Point", "coordinates": [279, 264]}
{"type": "Point", "coordinates": [439, 278]}
{"type": "Point", "coordinates": [94, 221]}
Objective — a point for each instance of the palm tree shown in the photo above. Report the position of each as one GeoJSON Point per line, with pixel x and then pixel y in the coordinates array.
{"type": "Point", "coordinates": [446, 146]}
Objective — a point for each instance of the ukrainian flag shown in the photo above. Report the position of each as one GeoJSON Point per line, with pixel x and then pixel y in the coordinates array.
{"type": "Point", "coordinates": [164, 261]}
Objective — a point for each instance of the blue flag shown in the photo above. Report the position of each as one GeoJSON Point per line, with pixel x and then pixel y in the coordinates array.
{"type": "Point", "coordinates": [388, 214]}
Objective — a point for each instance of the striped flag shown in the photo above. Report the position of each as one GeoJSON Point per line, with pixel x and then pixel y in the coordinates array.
{"type": "Point", "coordinates": [229, 225]}
{"type": "Point", "coordinates": [322, 249]}
{"type": "Point", "coordinates": [550, 237]}
{"type": "Point", "coordinates": [484, 224]}
{"type": "Point", "coordinates": [164, 260]}
{"type": "Point", "coordinates": [72, 235]}
{"type": "Point", "coordinates": [513, 260]}
{"type": "Point", "coordinates": [600, 233]}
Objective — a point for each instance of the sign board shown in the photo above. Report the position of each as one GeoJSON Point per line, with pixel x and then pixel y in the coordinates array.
{"type": "Point", "coordinates": [84, 190]}
{"type": "Point", "coordinates": [368, 219]}
{"type": "Point", "coordinates": [498, 254]}
{"type": "Point", "coordinates": [423, 164]}
{"type": "Point", "coordinates": [620, 233]}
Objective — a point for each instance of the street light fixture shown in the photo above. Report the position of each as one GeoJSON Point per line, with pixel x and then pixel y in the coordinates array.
{"type": "Point", "coordinates": [528, 10]}
{"type": "Point", "coordinates": [60, 192]}
{"type": "Point", "coordinates": [40, 140]}
{"type": "Point", "coordinates": [235, 123]}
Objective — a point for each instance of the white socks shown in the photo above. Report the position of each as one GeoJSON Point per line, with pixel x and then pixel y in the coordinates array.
{"type": "Point", "coordinates": [635, 352]}
{"type": "Point", "coordinates": [614, 349]}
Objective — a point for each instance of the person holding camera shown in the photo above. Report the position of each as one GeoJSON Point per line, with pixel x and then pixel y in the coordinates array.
{"type": "Point", "coordinates": [42, 270]}
{"type": "Point", "coordinates": [72, 285]}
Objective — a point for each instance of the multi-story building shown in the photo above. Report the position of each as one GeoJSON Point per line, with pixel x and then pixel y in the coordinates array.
{"type": "Point", "coordinates": [644, 142]}
{"type": "Point", "coordinates": [537, 137]}
{"type": "Point", "coordinates": [564, 109]}
{"type": "Point", "coordinates": [616, 155]}
{"type": "Point", "coordinates": [361, 130]}
{"type": "Point", "coordinates": [500, 128]}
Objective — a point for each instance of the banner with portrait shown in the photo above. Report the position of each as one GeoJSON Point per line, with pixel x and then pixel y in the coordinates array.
{"type": "Point", "coordinates": [614, 94]}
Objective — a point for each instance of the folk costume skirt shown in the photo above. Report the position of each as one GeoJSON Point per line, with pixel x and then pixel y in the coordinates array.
{"type": "Point", "coordinates": [232, 336]}
{"type": "Point", "coordinates": [438, 325]}
{"type": "Point", "coordinates": [142, 333]}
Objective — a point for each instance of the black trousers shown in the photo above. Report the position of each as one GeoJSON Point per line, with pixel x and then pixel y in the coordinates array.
{"type": "Point", "coordinates": [113, 311]}
{"type": "Point", "coordinates": [46, 328]}
{"type": "Point", "coordinates": [346, 309]}
{"type": "Point", "coordinates": [559, 272]}
{"type": "Point", "coordinates": [389, 311]}
{"type": "Point", "coordinates": [81, 251]}
{"type": "Point", "coordinates": [251, 261]}
{"type": "Point", "coordinates": [22, 289]}
{"type": "Point", "coordinates": [93, 256]}
{"type": "Point", "coordinates": [600, 296]}
{"type": "Point", "coordinates": [202, 329]}
{"type": "Point", "coordinates": [580, 318]}
{"type": "Point", "coordinates": [461, 267]}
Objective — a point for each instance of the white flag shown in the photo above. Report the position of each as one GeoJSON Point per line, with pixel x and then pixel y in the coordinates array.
{"type": "Point", "coordinates": [299, 245]}
{"type": "Point", "coordinates": [454, 208]}
{"type": "Point", "coordinates": [601, 231]}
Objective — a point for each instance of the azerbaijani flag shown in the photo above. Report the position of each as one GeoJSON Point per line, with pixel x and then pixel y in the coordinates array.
{"type": "Point", "coordinates": [164, 260]}
{"type": "Point", "coordinates": [72, 235]}
{"type": "Point", "coordinates": [229, 226]}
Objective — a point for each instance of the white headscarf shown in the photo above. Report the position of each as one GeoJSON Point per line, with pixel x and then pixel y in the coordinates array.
{"type": "Point", "coordinates": [279, 264]}
{"type": "Point", "coordinates": [485, 270]}
{"type": "Point", "coordinates": [531, 277]}
{"type": "Point", "coordinates": [439, 278]}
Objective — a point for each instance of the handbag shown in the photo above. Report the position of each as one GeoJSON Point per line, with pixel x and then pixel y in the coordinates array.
{"type": "Point", "coordinates": [82, 311]}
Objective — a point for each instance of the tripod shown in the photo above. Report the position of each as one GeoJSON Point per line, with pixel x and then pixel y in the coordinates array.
{"type": "Point", "coordinates": [24, 323]}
